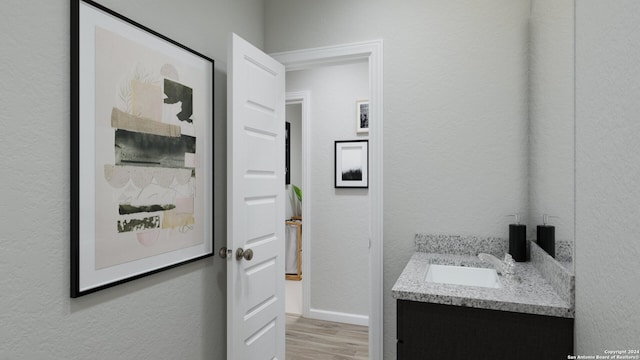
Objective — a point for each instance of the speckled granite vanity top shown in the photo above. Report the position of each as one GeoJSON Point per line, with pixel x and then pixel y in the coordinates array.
{"type": "Point", "coordinates": [527, 292]}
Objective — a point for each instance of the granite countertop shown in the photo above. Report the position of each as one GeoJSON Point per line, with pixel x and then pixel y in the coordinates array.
{"type": "Point", "coordinates": [527, 292]}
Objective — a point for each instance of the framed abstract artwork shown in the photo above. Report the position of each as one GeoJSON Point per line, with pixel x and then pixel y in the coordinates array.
{"type": "Point", "coordinates": [141, 151]}
{"type": "Point", "coordinates": [352, 164]}
{"type": "Point", "coordinates": [362, 116]}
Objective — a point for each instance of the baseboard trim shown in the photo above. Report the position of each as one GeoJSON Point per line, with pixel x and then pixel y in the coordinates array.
{"type": "Point", "coordinates": [340, 317]}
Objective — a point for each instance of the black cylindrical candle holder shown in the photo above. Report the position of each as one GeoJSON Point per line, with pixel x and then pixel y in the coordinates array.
{"type": "Point", "coordinates": [518, 242]}
{"type": "Point", "coordinates": [547, 239]}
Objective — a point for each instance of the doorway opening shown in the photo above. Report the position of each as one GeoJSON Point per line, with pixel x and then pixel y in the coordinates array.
{"type": "Point", "coordinates": [293, 209]}
{"type": "Point", "coordinates": [371, 54]}
{"type": "Point", "coordinates": [336, 282]}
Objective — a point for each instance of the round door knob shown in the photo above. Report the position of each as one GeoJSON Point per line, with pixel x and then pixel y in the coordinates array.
{"type": "Point", "coordinates": [223, 252]}
{"type": "Point", "coordinates": [246, 254]}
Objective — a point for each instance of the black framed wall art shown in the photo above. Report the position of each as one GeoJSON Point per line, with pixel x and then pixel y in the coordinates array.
{"type": "Point", "coordinates": [141, 150]}
{"type": "Point", "coordinates": [352, 164]}
{"type": "Point", "coordinates": [287, 153]}
{"type": "Point", "coordinates": [362, 116]}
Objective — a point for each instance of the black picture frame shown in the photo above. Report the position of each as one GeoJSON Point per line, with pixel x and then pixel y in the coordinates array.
{"type": "Point", "coordinates": [167, 105]}
{"type": "Point", "coordinates": [351, 159]}
{"type": "Point", "coordinates": [287, 159]}
{"type": "Point", "coordinates": [362, 116]}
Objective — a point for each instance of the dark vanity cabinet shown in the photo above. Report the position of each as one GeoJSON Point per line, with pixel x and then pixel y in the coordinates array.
{"type": "Point", "coordinates": [434, 331]}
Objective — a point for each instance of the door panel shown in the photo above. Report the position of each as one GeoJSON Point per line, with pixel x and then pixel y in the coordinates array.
{"type": "Point", "coordinates": [262, 161]}
{"type": "Point", "coordinates": [255, 214]}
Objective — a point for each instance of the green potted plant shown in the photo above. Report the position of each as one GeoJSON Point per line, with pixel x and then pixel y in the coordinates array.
{"type": "Point", "coordinates": [297, 194]}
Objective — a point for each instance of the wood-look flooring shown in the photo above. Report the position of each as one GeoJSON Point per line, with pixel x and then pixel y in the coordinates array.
{"type": "Point", "coordinates": [309, 339]}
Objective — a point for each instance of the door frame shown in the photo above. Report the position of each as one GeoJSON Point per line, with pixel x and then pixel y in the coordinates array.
{"type": "Point", "coordinates": [304, 99]}
{"type": "Point", "coordinates": [370, 51]}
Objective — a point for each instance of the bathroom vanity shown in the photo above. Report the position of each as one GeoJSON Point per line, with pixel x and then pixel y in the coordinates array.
{"type": "Point", "coordinates": [529, 316]}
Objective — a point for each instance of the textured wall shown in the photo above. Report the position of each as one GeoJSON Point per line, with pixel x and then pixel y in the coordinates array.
{"type": "Point", "coordinates": [551, 116]}
{"type": "Point", "coordinates": [177, 314]}
{"type": "Point", "coordinates": [455, 110]}
{"type": "Point", "coordinates": [339, 217]}
{"type": "Point", "coordinates": [607, 175]}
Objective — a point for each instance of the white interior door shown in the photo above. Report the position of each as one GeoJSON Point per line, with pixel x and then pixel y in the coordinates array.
{"type": "Point", "coordinates": [255, 204]}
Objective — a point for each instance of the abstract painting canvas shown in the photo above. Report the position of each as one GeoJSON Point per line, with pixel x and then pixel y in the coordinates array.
{"type": "Point", "coordinates": [141, 152]}
{"type": "Point", "coordinates": [352, 164]}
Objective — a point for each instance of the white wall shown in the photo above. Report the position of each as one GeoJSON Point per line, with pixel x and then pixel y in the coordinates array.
{"type": "Point", "coordinates": [294, 117]}
{"type": "Point", "coordinates": [607, 175]}
{"type": "Point", "coordinates": [293, 297]}
{"type": "Point", "coordinates": [551, 116]}
{"type": "Point", "coordinates": [339, 217]}
{"type": "Point", "coordinates": [455, 110]}
{"type": "Point", "coordinates": [176, 314]}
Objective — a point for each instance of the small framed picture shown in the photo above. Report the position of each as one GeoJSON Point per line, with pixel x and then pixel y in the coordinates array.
{"type": "Point", "coordinates": [362, 116]}
{"type": "Point", "coordinates": [352, 164]}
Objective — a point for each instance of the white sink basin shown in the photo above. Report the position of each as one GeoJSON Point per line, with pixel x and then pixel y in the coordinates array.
{"type": "Point", "coordinates": [462, 275]}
